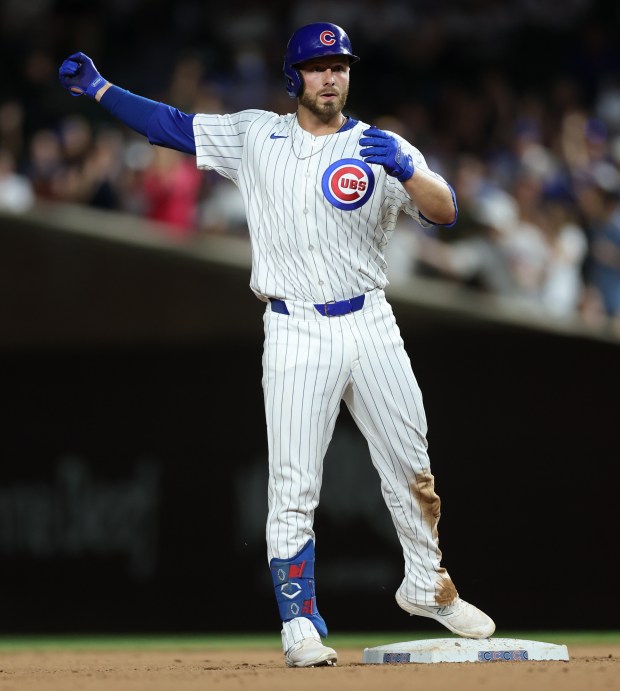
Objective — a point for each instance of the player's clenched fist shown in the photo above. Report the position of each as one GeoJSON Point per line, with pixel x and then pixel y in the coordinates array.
{"type": "Point", "coordinates": [79, 75]}
{"type": "Point", "coordinates": [385, 150]}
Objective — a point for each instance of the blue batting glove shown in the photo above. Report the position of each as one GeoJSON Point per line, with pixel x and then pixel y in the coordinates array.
{"type": "Point", "coordinates": [79, 76]}
{"type": "Point", "coordinates": [385, 150]}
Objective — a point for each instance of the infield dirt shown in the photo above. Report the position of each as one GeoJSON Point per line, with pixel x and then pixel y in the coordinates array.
{"type": "Point", "coordinates": [591, 668]}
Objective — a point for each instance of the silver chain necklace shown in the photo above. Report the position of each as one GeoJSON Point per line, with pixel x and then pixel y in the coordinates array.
{"type": "Point", "coordinates": [325, 136]}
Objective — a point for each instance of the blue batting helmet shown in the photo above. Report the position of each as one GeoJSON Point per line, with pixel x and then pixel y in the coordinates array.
{"type": "Point", "coordinates": [313, 41]}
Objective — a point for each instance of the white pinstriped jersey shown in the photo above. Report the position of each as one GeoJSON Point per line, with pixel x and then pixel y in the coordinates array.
{"type": "Point", "coordinates": [319, 217]}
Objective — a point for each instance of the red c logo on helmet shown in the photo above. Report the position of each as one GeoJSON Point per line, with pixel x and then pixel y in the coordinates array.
{"type": "Point", "coordinates": [327, 38]}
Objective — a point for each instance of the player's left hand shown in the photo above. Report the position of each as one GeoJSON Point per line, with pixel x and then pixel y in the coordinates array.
{"type": "Point", "coordinates": [79, 75]}
{"type": "Point", "coordinates": [384, 149]}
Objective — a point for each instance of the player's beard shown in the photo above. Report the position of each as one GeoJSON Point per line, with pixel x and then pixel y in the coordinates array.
{"type": "Point", "coordinates": [325, 112]}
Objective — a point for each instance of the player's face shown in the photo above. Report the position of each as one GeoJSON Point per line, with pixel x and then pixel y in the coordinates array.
{"type": "Point", "coordinates": [326, 86]}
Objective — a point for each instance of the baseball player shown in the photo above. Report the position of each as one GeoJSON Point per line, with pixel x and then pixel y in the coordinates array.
{"type": "Point", "coordinates": [322, 192]}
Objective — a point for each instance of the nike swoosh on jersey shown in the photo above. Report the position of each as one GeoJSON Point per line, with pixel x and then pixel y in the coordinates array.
{"type": "Point", "coordinates": [273, 135]}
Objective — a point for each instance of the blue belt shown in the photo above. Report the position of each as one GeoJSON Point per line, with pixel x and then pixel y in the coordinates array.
{"type": "Point", "coordinates": [327, 309]}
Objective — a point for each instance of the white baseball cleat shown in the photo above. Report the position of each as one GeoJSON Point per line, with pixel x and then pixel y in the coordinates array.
{"type": "Point", "coordinates": [459, 616]}
{"type": "Point", "coordinates": [303, 647]}
{"type": "Point", "coordinates": [310, 653]}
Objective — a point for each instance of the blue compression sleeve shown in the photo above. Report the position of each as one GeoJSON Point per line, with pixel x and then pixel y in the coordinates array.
{"type": "Point", "coordinates": [162, 124]}
{"type": "Point", "coordinates": [172, 128]}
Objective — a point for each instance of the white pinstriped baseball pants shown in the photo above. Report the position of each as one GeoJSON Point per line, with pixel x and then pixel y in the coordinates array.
{"type": "Point", "coordinates": [310, 364]}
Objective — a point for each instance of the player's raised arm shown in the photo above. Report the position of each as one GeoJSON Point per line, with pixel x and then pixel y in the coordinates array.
{"type": "Point", "coordinates": [160, 123]}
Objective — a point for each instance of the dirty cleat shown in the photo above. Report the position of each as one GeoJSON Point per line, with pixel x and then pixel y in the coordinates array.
{"type": "Point", "coordinates": [303, 647]}
{"type": "Point", "coordinates": [310, 653]}
{"type": "Point", "coordinates": [459, 616]}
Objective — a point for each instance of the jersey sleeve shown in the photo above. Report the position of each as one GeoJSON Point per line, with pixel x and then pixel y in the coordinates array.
{"type": "Point", "coordinates": [220, 140]}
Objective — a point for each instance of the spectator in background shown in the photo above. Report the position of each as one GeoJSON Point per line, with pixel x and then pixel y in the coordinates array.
{"type": "Point", "coordinates": [186, 81]}
{"type": "Point", "coordinates": [562, 288]}
{"type": "Point", "coordinates": [103, 170]}
{"type": "Point", "coordinates": [91, 172]}
{"type": "Point", "coordinates": [170, 188]}
{"type": "Point", "coordinates": [584, 143]}
{"type": "Point", "coordinates": [222, 211]}
{"type": "Point", "coordinates": [16, 193]}
{"type": "Point", "coordinates": [12, 127]}
{"type": "Point", "coordinates": [76, 138]}
{"type": "Point", "coordinates": [599, 200]}
{"type": "Point", "coordinates": [45, 163]}
{"type": "Point", "coordinates": [526, 248]}
{"type": "Point", "coordinates": [75, 135]}
{"type": "Point", "coordinates": [537, 262]}
{"type": "Point", "coordinates": [482, 259]}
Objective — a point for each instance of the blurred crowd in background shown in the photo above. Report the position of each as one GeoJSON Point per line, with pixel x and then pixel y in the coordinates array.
{"type": "Point", "coordinates": [515, 102]}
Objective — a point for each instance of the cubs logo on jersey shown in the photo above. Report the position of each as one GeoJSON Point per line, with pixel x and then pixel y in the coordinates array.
{"type": "Point", "coordinates": [348, 183]}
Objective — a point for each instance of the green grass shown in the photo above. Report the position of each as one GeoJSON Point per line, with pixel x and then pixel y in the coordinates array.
{"type": "Point", "coordinates": [265, 641]}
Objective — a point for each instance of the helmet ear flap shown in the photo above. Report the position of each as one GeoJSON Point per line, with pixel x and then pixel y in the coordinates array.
{"type": "Point", "coordinates": [293, 80]}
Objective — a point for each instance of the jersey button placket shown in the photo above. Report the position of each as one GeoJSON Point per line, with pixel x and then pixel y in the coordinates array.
{"type": "Point", "coordinates": [321, 243]}
{"type": "Point", "coordinates": [314, 224]}
{"type": "Point", "coordinates": [310, 221]}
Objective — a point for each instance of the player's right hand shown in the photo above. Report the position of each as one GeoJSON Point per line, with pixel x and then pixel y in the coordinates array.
{"type": "Point", "coordinates": [79, 75]}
